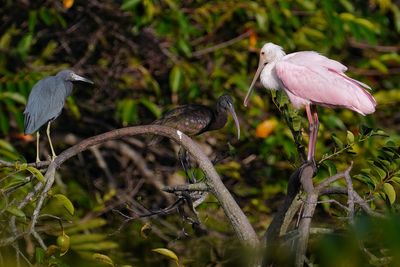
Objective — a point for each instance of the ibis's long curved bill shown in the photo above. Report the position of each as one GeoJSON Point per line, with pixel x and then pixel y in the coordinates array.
{"type": "Point", "coordinates": [76, 77]}
{"type": "Point", "coordinates": [232, 111]}
{"type": "Point", "coordinates": [251, 88]}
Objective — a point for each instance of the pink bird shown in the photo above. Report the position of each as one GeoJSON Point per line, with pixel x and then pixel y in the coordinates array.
{"type": "Point", "coordinates": [311, 79]}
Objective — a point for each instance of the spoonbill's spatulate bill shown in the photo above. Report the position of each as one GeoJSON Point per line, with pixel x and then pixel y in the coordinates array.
{"type": "Point", "coordinates": [46, 101]}
{"type": "Point", "coordinates": [310, 79]}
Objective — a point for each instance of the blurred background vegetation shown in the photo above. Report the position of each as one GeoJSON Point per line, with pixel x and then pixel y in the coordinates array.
{"type": "Point", "coordinates": [149, 56]}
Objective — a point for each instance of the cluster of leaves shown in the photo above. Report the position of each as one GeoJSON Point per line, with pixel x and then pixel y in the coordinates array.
{"type": "Point", "coordinates": [149, 56]}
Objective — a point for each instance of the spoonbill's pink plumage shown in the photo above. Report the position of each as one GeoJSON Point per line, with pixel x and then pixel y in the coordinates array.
{"type": "Point", "coordinates": [310, 79]}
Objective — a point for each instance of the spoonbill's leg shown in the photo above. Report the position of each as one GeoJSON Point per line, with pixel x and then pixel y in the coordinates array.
{"type": "Point", "coordinates": [311, 144]}
{"type": "Point", "coordinates": [37, 147]}
{"type": "Point", "coordinates": [53, 154]}
{"type": "Point", "coordinates": [316, 127]}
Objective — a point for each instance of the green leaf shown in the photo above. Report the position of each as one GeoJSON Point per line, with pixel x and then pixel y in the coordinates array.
{"type": "Point", "coordinates": [36, 173]}
{"type": "Point", "coordinates": [105, 245]}
{"type": "Point", "coordinates": [86, 238]}
{"type": "Point", "coordinates": [390, 192]}
{"type": "Point", "coordinates": [129, 4]}
{"type": "Point", "coordinates": [337, 142]}
{"type": "Point", "coordinates": [40, 255]}
{"type": "Point", "coordinates": [16, 211]}
{"type": "Point", "coordinates": [151, 106]}
{"type": "Point", "coordinates": [167, 253]}
{"type": "Point", "coordinates": [381, 173]}
{"type": "Point", "coordinates": [66, 203]}
{"type": "Point", "coordinates": [103, 258]}
{"type": "Point", "coordinates": [350, 137]}
{"type": "Point", "coordinates": [73, 107]}
{"type": "Point", "coordinates": [86, 225]}
{"type": "Point", "coordinates": [331, 167]}
{"type": "Point", "coordinates": [175, 79]}
{"type": "Point", "coordinates": [13, 96]}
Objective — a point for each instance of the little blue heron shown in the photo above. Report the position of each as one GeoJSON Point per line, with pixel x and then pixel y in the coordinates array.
{"type": "Point", "coordinates": [195, 119]}
{"type": "Point", "coordinates": [310, 79]}
{"type": "Point", "coordinates": [46, 101]}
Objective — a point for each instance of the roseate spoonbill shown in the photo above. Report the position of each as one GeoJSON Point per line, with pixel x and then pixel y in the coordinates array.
{"type": "Point", "coordinates": [46, 101]}
{"type": "Point", "coordinates": [195, 119]}
{"type": "Point", "coordinates": [311, 79]}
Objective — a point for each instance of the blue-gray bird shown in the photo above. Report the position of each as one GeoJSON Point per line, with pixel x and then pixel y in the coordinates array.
{"type": "Point", "coordinates": [46, 102]}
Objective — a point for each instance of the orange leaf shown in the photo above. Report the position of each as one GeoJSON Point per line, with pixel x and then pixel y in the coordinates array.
{"type": "Point", "coordinates": [68, 3]}
{"type": "Point", "coordinates": [253, 41]}
{"type": "Point", "coordinates": [265, 128]}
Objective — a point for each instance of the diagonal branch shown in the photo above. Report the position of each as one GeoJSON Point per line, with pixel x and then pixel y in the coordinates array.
{"type": "Point", "coordinates": [235, 215]}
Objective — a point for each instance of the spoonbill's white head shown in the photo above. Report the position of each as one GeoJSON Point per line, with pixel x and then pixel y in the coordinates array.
{"type": "Point", "coordinates": [269, 52]}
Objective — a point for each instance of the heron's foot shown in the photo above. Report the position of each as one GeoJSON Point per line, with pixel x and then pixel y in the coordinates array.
{"type": "Point", "coordinates": [53, 157]}
{"type": "Point", "coordinates": [37, 160]}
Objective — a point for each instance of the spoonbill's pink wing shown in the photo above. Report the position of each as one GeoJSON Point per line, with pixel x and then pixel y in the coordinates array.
{"type": "Point", "coordinates": [312, 78]}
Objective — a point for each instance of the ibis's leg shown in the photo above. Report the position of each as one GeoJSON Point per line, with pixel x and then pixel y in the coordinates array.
{"type": "Point", "coordinates": [184, 160]}
{"type": "Point", "coordinates": [53, 154]}
{"type": "Point", "coordinates": [37, 147]}
{"type": "Point", "coordinates": [311, 144]}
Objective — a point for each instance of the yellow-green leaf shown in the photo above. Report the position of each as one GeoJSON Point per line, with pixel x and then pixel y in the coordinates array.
{"type": "Point", "coordinates": [175, 79]}
{"type": "Point", "coordinates": [66, 203]}
{"type": "Point", "coordinates": [36, 173]}
{"type": "Point", "coordinates": [15, 211]}
{"type": "Point", "coordinates": [350, 137]}
{"type": "Point", "coordinates": [390, 192]}
{"type": "Point", "coordinates": [167, 253]}
{"type": "Point", "coordinates": [103, 258]}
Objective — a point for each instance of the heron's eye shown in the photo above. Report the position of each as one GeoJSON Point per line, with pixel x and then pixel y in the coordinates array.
{"type": "Point", "coordinates": [262, 53]}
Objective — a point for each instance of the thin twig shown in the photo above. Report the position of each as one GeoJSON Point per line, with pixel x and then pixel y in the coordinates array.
{"type": "Point", "coordinates": [186, 187]}
{"type": "Point", "coordinates": [207, 50]}
{"type": "Point", "coordinates": [350, 195]}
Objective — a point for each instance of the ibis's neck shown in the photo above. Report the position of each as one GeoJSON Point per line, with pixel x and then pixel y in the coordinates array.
{"type": "Point", "coordinates": [219, 120]}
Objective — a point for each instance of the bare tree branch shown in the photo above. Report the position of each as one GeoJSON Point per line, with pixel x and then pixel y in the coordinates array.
{"type": "Point", "coordinates": [235, 215]}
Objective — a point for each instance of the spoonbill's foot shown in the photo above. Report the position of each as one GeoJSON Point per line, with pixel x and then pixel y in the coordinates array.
{"type": "Point", "coordinates": [311, 163]}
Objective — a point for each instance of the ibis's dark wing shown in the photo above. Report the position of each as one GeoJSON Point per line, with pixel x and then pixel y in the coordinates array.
{"type": "Point", "coordinates": [45, 103]}
{"type": "Point", "coordinates": [189, 119]}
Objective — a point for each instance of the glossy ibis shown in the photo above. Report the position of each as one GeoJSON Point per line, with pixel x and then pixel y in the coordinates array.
{"type": "Point", "coordinates": [195, 119]}
{"type": "Point", "coordinates": [46, 101]}
{"type": "Point", "coordinates": [311, 79]}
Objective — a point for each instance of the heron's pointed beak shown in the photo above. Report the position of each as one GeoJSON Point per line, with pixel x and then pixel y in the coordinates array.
{"type": "Point", "coordinates": [232, 111]}
{"type": "Point", "coordinates": [75, 77]}
{"type": "Point", "coordinates": [261, 65]}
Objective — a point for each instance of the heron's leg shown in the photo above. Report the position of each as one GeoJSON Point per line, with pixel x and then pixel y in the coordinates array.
{"type": "Point", "coordinates": [37, 147]}
{"type": "Point", "coordinates": [184, 160]}
{"type": "Point", "coordinates": [311, 144]}
{"type": "Point", "coordinates": [53, 154]}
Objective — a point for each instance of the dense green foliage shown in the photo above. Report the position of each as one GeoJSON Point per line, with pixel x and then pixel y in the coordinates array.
{"type": "Point", "coordinates": [148, 56]}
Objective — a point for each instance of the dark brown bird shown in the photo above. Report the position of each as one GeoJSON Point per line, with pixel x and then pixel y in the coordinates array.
{"type": "Point", "coordinates": [195, 119]}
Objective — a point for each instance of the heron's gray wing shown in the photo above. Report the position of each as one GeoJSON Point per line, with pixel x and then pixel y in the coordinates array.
{"type": "Point", "coordinates": [45, 103]}
{"type": "Point", "coordinates": [189, 119]}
